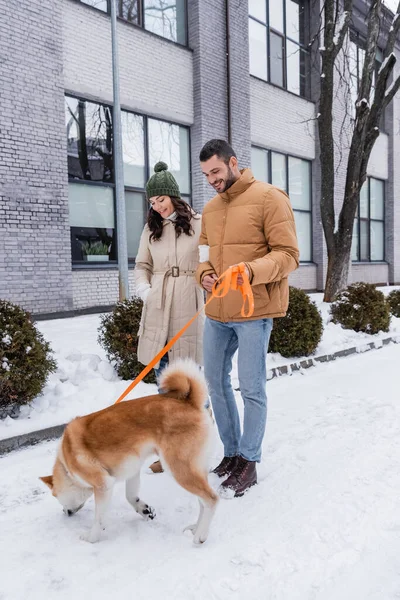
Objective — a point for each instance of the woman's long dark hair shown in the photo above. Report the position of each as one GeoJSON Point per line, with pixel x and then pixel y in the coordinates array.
{"type": "Point", "coordinates": [182, 223]}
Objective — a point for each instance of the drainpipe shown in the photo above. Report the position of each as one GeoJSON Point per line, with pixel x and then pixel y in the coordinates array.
{"type": "Point", "coordinates": [228, 70]}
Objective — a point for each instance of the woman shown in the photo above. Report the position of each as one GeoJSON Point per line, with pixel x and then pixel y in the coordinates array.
{"type": "Point", "coordinates": [165, 275]}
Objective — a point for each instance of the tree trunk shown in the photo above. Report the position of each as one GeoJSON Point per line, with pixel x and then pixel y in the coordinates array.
{"type": "Point", "coordinates": [338, 271]}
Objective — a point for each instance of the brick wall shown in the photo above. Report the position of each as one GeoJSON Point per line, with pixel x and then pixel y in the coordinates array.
{"type": "Point", "coordinates": [208, 42]}
{"type": "Point", "coordinates": [281, 121]}
{"type": "Point", "coordinates": [98, 287]}
{"type": "Point", "coordinates": [35, 259]}
{"type": "Point", "coordinates": [370, 273]}
{"type": "Point", "coordinates": [304, 277]}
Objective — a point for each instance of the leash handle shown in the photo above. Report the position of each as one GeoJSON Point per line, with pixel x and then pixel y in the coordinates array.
{"type": "Point", "coordinates": [229, 281]}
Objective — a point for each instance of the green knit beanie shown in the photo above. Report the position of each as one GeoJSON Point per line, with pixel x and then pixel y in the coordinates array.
{"type": "Point", "coordinates": [162, 183]}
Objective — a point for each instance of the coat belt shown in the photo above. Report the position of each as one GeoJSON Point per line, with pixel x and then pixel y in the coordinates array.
{"type": "Point", "coordinates": [171, 272]}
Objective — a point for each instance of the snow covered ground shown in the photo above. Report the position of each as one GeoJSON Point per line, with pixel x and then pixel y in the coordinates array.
{"type": "Point", "coordinates": [323, 523]}
{"type": "Point", "coordinates": [85, 381]}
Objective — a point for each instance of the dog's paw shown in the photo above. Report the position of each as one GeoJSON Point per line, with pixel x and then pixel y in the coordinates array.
{"type": "Point", "coordinates": [199, 537]}
{"type": "Point", "coordinates": [148, 512]}
{"type": "Point", "coordinates": [90, 536]}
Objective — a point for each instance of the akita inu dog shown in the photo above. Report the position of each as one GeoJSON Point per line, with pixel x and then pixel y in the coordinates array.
{"type": "Point", "coordinates": [111, 445]}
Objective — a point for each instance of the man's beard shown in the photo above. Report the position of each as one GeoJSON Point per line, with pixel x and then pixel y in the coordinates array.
{"type": "Point", "coordinates": [230, 180]}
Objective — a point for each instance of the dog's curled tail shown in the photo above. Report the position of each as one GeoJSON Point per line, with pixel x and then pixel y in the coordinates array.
{"type": "Point", "coordinates": [184, 380]}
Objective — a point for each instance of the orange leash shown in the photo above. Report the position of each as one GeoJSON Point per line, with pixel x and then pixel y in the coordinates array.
{"type": "Point", "coordinates": [227, 281]}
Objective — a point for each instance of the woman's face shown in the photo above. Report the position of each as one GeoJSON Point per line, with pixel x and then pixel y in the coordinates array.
{"type": "Point", "coordinates": [163, 205]}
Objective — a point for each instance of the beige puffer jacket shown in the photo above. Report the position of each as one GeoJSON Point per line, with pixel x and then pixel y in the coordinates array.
{"type": "Point", "coordinates": [174, 296]}
{"type": "Point", "coordinates": [252, 222]}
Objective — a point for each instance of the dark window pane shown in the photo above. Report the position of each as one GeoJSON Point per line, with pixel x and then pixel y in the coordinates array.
{"type": "Point", "coordinates": [364, 240]}
{"type": "Point", "coordinates": [258, 49]}
{"type": "Point", "coordinates": [100, 4]}
{"type": "Point", "coordinates": [128, 10]}
{"type": "Point", "coordinates": [276, 59]}
{"type": "Point", "coordinates": [133, 149]}
{"type": "Point", "coordinates": [166, 18]}
{"type": "Point", "coordinates": [89, 140]}
{"type": "Point", "coordinates": [91, 216]}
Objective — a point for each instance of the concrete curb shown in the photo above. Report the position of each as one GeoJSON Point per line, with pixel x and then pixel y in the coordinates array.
{"type": "Point", "coordinates": [50, 433]}
{"type": "Point", "coordinates": [30, 439]}
{"type": "Point", "coordinates": [310, 362]}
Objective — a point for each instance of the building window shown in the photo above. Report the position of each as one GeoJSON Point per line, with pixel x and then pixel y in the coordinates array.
{"type": "Point", "coordinates": [293, 175]}
{"type": "Point", "coordinates": [369, 225]}
{"type": "Point", "coordinates": [277, 38]}
{"type": "Point", "coordinates": [145, 141]}
{"type": "Point", "coordinates": [166, 18]}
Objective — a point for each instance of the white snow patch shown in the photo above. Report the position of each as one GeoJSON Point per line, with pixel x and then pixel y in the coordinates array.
{"type": "Point", "coordinates": [390, 88]}
{"type": "Point", "coordinates": [385, 62]}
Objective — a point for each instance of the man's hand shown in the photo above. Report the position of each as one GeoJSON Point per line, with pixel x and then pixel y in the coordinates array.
{"type": "Point", "coordinates": [208, 281]}
{"type": "Point", "coordinates": [240, 278]}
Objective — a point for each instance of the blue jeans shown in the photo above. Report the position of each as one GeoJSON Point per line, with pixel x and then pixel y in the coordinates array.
{"type": "Point", "coordinates": [164, 362]}
{"type": "Point", "coordinates": [221, 340]}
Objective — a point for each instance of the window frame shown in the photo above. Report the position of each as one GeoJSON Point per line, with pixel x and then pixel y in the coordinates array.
{"type": "Point", "coordinates": [141, 20]}
{"type": "Point", "coordinates": [76, 265]}
{"type": "Point", "coordinates": [358, 219]}
{"type": "Point", "coordinates": [269, 152]}
{"type": "Point", "coordinates": [302, 48]}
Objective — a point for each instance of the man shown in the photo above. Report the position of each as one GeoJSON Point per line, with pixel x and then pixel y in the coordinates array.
{"type": "Point", "coordinates": [252, 222]}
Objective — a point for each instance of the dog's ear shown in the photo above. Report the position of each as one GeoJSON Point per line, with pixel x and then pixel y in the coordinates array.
{"type": "Point", "coordinates": [48, 480]}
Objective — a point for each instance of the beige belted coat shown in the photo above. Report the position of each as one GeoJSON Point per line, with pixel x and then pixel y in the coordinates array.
{"type": "Point", "coordinates": [168, 266]}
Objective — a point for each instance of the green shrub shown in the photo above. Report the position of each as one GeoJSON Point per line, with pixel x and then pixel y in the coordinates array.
{"type": "Point", "coordinates": [393, 300]}
{"type": "Point", "coordinates": [299, 333]}
{"type": "Point", "coordinates": [118, 336]}
{"type": "Point", "coordinates": [25, 357]}
{"type": "Point", "coordinates": [361, 307]}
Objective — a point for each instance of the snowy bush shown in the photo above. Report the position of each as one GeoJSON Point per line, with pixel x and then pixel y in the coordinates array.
{"type": "Point", "coordinates": [25, 358]}
{"type": "Point", "coordinates": [118, 336]}
{"type": "Point", "coordinates": [394, 302]}
{"type": "Point", "coordinates": [299, 333]}
{"type": "Point", "coordinates": [361, 307]}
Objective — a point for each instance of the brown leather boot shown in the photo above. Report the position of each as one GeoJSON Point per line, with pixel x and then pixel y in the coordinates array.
{"type": "Point", "coordinates": [226, 466]}
{"type": "Point", "coordinates": [157, 467]}
{"type": "Point", "coordinates": [242, 478]}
